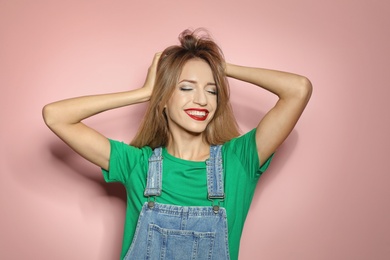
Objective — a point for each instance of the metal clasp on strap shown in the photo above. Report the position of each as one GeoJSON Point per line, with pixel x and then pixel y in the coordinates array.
{"type": "Point", "coordinates": [216, 207]}
{"type": "Point", "coordinates": [151, 202]}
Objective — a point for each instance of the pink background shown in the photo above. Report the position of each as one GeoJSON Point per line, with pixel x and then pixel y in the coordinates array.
{"type": "Point", "coordinates": [326, 195]}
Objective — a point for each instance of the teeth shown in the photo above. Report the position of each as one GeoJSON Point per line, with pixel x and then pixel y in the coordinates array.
{"type": "Point", "coordinates": [197, 113]}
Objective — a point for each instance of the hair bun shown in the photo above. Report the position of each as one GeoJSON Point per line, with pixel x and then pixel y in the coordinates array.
{"type": "Point", "coordinates": [191, 40]}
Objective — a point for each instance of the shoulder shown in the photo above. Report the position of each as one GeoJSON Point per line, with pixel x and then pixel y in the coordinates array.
{"type": "Point", "coordinates": [126, 160]}
{"type": "Point", "coordinates": [126, 151]}
{"type": "Point", "coordinates": [247, 140]}
{"type": "Point", "coordinates": [242, 148]}
{"type": "Point", "coordinates": [241, 154]}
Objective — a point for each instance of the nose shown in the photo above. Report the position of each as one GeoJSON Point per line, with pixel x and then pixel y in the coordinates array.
{"type": "Point", "coordinates": [200, 98]}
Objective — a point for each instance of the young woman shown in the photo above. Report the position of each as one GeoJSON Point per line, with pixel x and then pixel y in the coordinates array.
{"type": "Point", "coordinates": [189, 176]}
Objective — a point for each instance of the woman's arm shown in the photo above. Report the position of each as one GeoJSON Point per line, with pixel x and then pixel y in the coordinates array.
{"type": "Point", "coordinates": [64, 118]}
{"type": "Point", "coordinates": [294, 92]}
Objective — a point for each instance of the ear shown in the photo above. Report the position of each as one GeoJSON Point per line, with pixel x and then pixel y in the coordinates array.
{"type": "Point", "coordinates": [166, 104]}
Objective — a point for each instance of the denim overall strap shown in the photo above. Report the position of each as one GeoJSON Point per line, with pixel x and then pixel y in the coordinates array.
{"type": "Point", "coordinates": [154, 179]}
{"type": "Point", "coordinates": [215, 185]}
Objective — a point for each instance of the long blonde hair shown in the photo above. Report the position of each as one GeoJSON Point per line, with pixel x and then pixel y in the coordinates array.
{"type": "Point", "coordinates": [154, 129]}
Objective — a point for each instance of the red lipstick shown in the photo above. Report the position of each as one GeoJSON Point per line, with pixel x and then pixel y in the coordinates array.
{"type": "Point", "coordinates": [198, 114]}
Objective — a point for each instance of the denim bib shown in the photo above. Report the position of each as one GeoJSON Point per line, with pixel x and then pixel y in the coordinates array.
{"type": "Point", "coordinates": [180, 232]}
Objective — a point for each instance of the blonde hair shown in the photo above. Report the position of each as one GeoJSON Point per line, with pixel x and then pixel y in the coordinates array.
{"type": "Point", "coordinates": [154, 129]}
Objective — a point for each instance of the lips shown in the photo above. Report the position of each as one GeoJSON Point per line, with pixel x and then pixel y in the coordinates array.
{"type": "Point", "coordinates": [197, 114]}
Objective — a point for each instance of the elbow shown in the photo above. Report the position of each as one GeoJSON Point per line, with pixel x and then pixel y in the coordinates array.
{"type": "Point", "coordinates": [304, 89]}
{"type": "Point", "coordinates": [48, 115]}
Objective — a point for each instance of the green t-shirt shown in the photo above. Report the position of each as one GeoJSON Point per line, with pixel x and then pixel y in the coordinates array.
{"type": "Point", "coordinates": [185, 184]}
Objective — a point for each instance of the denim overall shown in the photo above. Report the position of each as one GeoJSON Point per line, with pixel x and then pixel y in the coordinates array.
{"type": "Point", "coordinates": [180, 232]}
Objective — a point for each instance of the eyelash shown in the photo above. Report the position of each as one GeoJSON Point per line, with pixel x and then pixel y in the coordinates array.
{"type": "Point", "coordinates": [212, 92]}
{"type": "Point", "coordinates": [185, 88]}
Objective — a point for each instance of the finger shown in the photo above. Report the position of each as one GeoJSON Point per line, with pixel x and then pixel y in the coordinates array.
{"type": "Point", "coordinates": [157, 57]}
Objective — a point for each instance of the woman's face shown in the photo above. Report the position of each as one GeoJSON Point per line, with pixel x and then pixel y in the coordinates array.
{"type": "Point", "coordinates": [194, 100]}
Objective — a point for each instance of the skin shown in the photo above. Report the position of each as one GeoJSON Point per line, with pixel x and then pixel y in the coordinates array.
{"type": "Point", "coordinates": [65, 117]}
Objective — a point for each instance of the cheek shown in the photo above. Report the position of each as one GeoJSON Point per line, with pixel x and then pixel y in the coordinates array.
{"type": "Point", "coordinates": [214, 102]}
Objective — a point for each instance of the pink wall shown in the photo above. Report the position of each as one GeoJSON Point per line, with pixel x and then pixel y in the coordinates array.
{"type": "Point", "coordinates": [326, 193]}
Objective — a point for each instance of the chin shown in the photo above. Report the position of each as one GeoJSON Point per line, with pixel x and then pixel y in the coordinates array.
{"type": "Point", "coordinates": [196, 130]}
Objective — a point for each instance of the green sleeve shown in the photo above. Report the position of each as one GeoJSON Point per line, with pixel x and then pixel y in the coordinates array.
{"type": "Point", "coordinates": [123, 159]}
{"type": "Point", "coordinates": [244, 147]}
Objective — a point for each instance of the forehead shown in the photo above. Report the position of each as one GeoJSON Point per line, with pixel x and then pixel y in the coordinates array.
{"type": "Point", "coordinates": [198, 70]}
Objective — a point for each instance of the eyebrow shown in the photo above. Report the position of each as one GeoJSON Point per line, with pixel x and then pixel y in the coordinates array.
{"type": "Point", "coordinates": [194, 82]}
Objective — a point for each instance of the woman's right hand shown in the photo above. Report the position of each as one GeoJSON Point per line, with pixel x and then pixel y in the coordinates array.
{"type": "Point", "coordinates": [151, 76]}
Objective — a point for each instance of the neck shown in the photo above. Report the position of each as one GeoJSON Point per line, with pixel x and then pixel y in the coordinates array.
{"type": "Point", "coordinates": [193, 148]}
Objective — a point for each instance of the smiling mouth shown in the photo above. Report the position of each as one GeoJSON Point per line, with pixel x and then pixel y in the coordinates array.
{"type": "Point", "coordinates": [197, 114]}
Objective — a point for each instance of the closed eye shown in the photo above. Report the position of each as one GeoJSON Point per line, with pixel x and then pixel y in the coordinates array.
{"type": "Point", "coordinates": [185, 88]}
{"type": "Point", "coordinates": [213, 92]}
{"type": "Point", "coordinates": [211, 89]}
